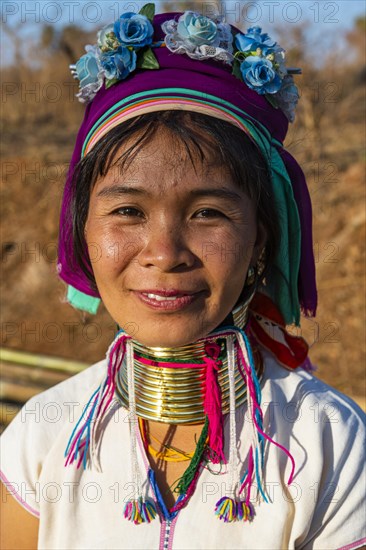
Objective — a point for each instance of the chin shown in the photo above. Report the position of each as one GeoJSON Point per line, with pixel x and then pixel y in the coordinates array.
{"type": "Point", "coordinates": [165, 340]}
{"type": "Point", "coordinates": [170, 335]}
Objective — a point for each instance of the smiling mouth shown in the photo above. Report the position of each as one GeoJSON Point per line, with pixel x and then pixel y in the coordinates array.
{"type": "Point", "coordinates": [162, 298]}
{"type": "Point", "coordinates": [168, 300]}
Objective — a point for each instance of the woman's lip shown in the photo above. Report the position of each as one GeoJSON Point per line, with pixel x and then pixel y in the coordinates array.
{"type": "Point", "coordinates": [168, 293]}
{"type": "Point", "coordinates": [173, 302]}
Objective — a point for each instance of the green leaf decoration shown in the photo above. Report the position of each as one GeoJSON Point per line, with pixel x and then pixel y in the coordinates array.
{"type": "Point", "coordinates": [147, 60]}
{"type": "Point", "coordinates": [272, 100]}
{"type": "Point", "coordinates": [236, 70]}
{"type": "Point", "coordinates": [241, 56]}
{"type": "Point", "coordinates": [234, 32]}
{"type": "Point", "coordinates": [109, 83]}
{"type": "Point", "coordinates": [148, 10]}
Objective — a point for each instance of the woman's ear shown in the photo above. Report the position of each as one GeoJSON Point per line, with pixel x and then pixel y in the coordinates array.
{"type": "Point", "coordinates": [260, 243]}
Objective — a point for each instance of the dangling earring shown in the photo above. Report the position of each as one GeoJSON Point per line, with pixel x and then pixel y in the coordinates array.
{"type": "Point", "coordinates": [240, 313]}
{"type": "Point", "coordinates": [254, 272]}
{"type": "Point", "coordinates": [250, 276]}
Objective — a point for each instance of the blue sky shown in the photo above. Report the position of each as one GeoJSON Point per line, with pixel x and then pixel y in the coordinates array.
{"type": "Point", "coordinates": [325, 17]}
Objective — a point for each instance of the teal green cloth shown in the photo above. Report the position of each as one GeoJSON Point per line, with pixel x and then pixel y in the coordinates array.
{"type": "Point", "coordinates": [82, 301]}
{"type": "Point", "coordinates": [282, 281]}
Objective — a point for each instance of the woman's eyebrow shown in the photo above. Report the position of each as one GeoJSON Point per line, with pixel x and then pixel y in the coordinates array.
{"type": "Point", "coordinates": [118, 190]}
{"type": "Point", "coordinates": [225, 194]}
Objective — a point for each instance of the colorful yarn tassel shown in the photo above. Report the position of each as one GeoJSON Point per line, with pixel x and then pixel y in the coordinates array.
{"type": "Point", "coordinates": [229, 510]}
{"type": "Point", "coordinates": [244, 511]}
{"type": "Point", "coordinates": [139, 511]}
{"type": "Point", "coordinates": [84, 440]}
{"type": "Point", "coordinates": [226, 509]}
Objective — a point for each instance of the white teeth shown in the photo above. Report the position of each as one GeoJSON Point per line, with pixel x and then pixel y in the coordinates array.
{"type": "Point", "coordinates": [161, 298]}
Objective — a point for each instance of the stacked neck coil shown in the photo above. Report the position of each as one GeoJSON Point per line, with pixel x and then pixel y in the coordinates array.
{"type": "Point", "coordinates": [176, 395]}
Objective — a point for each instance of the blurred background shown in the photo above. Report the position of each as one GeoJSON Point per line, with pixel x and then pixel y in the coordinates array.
{"type": "Point", "coordinates": [40, 118]}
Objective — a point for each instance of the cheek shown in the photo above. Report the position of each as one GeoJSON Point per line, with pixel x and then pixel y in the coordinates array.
{"type": "Point", "coordinates": [226, 266]}
{"type": "Point", "coordinates": [227, 256]}
{"type": "Point", "coordinates": [110, 249]}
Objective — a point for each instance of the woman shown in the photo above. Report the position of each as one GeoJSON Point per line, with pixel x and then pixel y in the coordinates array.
{"type": "Point", "coordinates": [185, 215]}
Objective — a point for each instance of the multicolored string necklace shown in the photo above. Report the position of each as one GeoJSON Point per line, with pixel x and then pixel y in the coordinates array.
{"type": "Point", "coordinates": [168, 454]}
{"type": "Point", "coordinates": [185, 486]}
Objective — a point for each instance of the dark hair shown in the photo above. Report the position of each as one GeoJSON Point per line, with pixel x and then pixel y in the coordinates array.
{"type": "Point", "coordinates": [204, 138]}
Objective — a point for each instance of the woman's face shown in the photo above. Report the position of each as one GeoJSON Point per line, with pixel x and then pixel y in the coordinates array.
{"type": "Point", "coordinates": [170, 243]}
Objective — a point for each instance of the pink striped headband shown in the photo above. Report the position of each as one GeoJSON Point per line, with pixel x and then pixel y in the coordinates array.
{"type": "Point", "coordinates": [144, 106]}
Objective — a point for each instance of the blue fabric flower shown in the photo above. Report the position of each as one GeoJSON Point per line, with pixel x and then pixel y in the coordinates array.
{"type": "Point", "coordinates": [107, 39]}
{"type": "Point", "coordinates": [254, 39]}
{"type": "Point", "coordinates": [87, 69]}
{"type": "Point", "coordinates": [259, 75]}
{"type": "Point", "coordinates": [198, 29]}
{"type": "Point", "coordinates": [118, 63]}
{"type": "Point", "coordinates": [133, 29]}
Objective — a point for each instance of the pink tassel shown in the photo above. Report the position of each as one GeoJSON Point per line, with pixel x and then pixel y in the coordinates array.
{"type": "Point", "coordinates": [249, 478]}
{"type": "Point", "coordinates": [257, 409]}
{"type": "Point", "coordinates": [212, 403]}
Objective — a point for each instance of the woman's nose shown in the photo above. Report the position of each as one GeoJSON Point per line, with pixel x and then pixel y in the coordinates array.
{"type": "Point", "coordinates": [167, 250]}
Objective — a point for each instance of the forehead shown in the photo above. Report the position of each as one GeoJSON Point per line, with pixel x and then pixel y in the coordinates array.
{"type": "Point", "coordinates": [165, 161]}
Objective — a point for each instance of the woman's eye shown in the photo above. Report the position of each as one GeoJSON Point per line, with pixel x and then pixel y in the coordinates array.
{"type": "Point", "coordinates": [209, 213]}
{"type": "Point", "coordinates": [128, 211]}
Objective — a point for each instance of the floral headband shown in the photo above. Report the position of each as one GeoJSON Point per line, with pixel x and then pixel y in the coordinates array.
{"type": "Point", "coordinates": [129, 44]}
